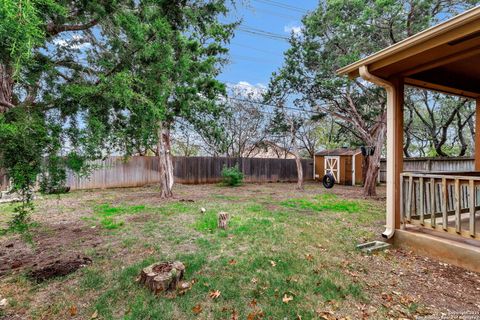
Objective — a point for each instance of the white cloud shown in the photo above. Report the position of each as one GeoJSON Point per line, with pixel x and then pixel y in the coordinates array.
{"type": "Point", "coordinates": [75, 42]}
{"type": "Point", "coordinates": [248, 90]}
{"type": "Point", "coordinates": [294, 28]}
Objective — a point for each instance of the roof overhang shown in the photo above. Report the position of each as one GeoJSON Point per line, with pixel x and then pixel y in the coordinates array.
{"type": "Point", "coordinates": [443, 58]}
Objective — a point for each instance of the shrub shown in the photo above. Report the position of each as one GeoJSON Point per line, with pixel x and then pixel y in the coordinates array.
{"type": "Point", "coordinates": [232, 176]}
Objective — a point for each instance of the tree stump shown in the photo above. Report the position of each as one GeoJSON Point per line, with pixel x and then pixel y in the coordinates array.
{"type": "Point", "coordinates": [162, 277]}
{"type": "Point", "coordinates": [223, 220]}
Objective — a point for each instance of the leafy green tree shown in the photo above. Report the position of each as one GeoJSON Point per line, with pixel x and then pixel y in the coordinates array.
{"type": "Point", "coordinates": [340, 32]}
{"type": "Point", "coordinates": [438, 125]}
{"type": "Point", "coordinates": [82, 79]}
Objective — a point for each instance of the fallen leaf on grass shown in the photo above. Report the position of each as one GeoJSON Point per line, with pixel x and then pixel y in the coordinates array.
{"type": "Point", "coordinates": [326, 315]}
{"type": "Point", "coordinates": [214, 294]}
{"type": "Point", "coordinates": [232, 262]}
{"type": "Point", "coordinates": [94, 315]}
{"type": "Point", "coordinates": [386, 297]}
{"type": "Point", "coordinates": [73, 311]}
{"type": "Point", "coordinates": [253, 303]}
{"type": "Point", "coordinates": [184, 286]}
{"type": "Point", "coordinates": [150, 251]}
{"type": "Point", "coordinates": [273, 263]}
{"type": "Point", "coordinates": [286, 298]}
{"type": "Point", "coordinates": [3, 302]}
{"type": "Point", "coordinates": [197, 309]}
{"type": "Point", "coordinates": [309, 257]}
{"type": "Point", "coordinates": [234, 315]}
{"type": "Point", "coordinates": [255, 315]}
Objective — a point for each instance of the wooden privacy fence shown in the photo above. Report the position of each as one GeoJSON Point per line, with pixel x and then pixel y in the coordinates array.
{"type": "Point", "coordinates": [139, 171]}
{"type": "Point", "coordinates": [463, 164]}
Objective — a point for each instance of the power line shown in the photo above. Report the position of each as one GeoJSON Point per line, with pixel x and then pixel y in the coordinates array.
{"type": "Point", "coordinates": [273, 13]}
{"type": "Point", "coordinates": [283, 6]}
{"type": "Point", "coordinates": [263, 33]}
{"type": "Point", "coordinates": [253, 48]}
{"type": "Point", "coordinates": [252, 59]}
{"type": "Point", "coordinates": [271, 105]}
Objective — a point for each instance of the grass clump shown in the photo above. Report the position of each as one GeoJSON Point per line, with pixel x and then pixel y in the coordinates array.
{"type": "Point", "coordinates": [107, 214]}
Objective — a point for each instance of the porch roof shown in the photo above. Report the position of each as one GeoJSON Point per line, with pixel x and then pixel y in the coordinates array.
{"type": "Point", "coordinates": [443, 58]}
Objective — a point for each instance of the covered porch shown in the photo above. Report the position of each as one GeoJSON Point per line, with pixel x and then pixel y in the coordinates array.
{"type": "Point", "coordinates": [435, 213]}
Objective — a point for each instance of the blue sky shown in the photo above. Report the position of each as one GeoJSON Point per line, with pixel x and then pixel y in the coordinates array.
{"type": "Point", "coordinates": [254, 57]}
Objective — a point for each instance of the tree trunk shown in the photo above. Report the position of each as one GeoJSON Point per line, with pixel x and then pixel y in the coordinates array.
{"type": "Point", "coordinates": [298, 162]}
{"type": "Point", "coordinates": [162, 277]}
{"type": "Point", "coordinates": [6, 88]}
{"type": "Point", "coordinates": [371, 175]}
{"type": "Point", "coordinates": [373, 165]}
{"type": "Point", "coordinates": [165, 162]}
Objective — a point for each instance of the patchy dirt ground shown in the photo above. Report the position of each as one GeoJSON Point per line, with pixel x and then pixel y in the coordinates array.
{"type": "Point", "coordinates": [282, 244]}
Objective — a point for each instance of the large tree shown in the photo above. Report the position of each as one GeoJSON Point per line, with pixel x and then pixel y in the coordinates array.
{"type": "Point", "coordinates": [338, 33]}
{"type": "Point", "coordinates": [438, 125]}
{"type": "Point", "coordinates": [244, 125]}
{"type": "Point", "coordinates": [80, 79]}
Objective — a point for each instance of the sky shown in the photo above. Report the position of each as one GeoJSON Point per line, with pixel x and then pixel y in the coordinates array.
{"type": "Point", "coordinates": [257, 48]}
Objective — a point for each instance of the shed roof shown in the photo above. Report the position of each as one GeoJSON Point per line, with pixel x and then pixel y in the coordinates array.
{"type": "Point", "coordinates": [338, 152]}
{"type": "Point", "coordinates": [444, 58]}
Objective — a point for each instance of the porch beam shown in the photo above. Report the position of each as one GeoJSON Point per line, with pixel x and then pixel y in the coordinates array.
{"type": "Point", "coordinates": [477, 135]}
{"type": "Point", "coordinates": [442, 61]}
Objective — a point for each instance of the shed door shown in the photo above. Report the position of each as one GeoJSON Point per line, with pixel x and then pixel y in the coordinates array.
{"type": "Point", "coordinates": [332, 165]}
{"type": "Point", "coordinates": [348, 170]}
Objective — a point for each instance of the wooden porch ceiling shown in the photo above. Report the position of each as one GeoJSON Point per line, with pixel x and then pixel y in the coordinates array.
{"type": "Point", "coordinates": [444, 58]}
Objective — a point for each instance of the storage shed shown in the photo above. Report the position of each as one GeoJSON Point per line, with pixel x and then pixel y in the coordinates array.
{"type": "Point", "coordinates": [343, 163]}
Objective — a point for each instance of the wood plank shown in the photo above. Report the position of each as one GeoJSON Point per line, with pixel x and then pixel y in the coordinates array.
{"type": "Point", "coordinates": [451, 230]}
{"type": "Point", "coordinates": [422, 201]}
{"type": "Point", "coordinates": [445, 204]}
{"type": "Point", "coordinates": [432, 201]}
{"type": "Point", "coordinates": [457, 205]}
{"type": "Point", "coordinates": [477, 135]}
{"type": "Point", "coordinates": [409, 198]}
{"type": "Point", "coordinates": [472, 208]}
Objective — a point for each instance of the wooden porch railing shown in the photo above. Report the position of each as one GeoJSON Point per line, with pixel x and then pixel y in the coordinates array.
{"type": "Point", "coordinates": [442, 201]}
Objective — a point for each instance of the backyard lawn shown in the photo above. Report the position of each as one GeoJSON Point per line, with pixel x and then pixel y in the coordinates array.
{"type": "Point", "coordinates": [286, 255]}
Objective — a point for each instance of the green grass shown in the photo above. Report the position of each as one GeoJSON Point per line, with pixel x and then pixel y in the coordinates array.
{"type": "Point", "coordinates": [271, 249]}
{"type": "Point", "coordinates": [324, 202]}
{"type": "Point", "coordinates": [108, 215]}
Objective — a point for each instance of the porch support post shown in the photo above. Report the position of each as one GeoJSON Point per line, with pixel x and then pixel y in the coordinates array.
{"type": "Point", "coordinates": [477, 135]}
{"type": "Point", "coordinates": [395, 142]}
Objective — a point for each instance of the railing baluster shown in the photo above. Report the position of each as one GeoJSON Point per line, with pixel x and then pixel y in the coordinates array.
{"type": "Point", "coordinates": [422, 201]}
{"type": "Point", "coordinates": [409, 198]}
{"type": "Point", "coordinates": [432, 202]}
{"type": "Point", "coordinates": [457, 205]}
{"type": "Point", "coordinates": [472, 208]}
{"type": "Point", "coordinates": [441, 196]}
{"type": "Point", "coordinates": [445, 204]}
{"type": "Point", "coordinates": [402, 203]}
